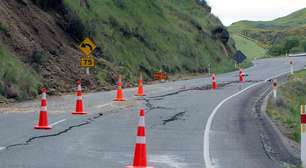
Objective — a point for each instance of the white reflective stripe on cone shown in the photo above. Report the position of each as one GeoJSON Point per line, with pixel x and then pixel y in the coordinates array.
{"type": "Point", "coordinates": [44, 96]}
{"type": "Point", "coordinates": [140, 140]}
{"type": "Point", "coordinates": [43, 109]}
{"type": "Point", "coordinates": [79, 97]}
{"type": "Point", "coordinates": [141, 122]}
{"type": "Point", "coordinates": [79, 88]}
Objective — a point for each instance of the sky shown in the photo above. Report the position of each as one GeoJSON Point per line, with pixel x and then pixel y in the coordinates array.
{"type": "Point", "coordinates": [230, 11]}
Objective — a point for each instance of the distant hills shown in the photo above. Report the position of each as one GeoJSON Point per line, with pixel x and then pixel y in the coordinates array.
{"type": "Point", "coordinates": [279, 36]}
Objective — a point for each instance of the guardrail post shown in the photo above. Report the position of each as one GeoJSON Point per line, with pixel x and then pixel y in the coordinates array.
{"type": "Point", "coordinates": [274, 84]}
{"type": "Point", "coordinates": [291, 67]}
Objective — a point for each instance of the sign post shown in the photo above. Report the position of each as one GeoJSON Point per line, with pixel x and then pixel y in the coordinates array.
{"type": "Point", "coordinates": [303, 135]}
{"type": "Point", "coordinates": [87, 71]}
{"type": "Point", "coordinates": [87, 47]}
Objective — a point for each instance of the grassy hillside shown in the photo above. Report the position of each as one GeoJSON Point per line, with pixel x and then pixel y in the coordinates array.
{"type": "Point", "coordinates": [285, 34]}
{"type": "Point", "coordinates": [16, 80]}
{"type": "Point", "coordinates": [250, 48]}
{"type": "Point", "coordinates": [147, 35]}
{"type": "Point", "coordinates": [177, 36]}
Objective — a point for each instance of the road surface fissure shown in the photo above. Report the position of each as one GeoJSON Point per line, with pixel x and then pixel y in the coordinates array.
{"type": "Point", "coordinates": [31, 139]}
{"type": "Point", "coordinates": [204, 87]}
{"type": "Point", "coordinates": [178, 116]}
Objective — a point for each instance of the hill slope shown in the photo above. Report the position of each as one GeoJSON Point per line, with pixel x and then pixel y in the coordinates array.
{"type": "Point", "coordinates": [277, 34]}
{"type": "Point", "coordinates": [132, 36]}
{"type": "Point", "coordinates": [148, 35]}
{"type": "Point", "coordinates": [250, 48]}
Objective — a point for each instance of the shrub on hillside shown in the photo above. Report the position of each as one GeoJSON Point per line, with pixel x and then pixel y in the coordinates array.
{"type": "Point", "coordinates": [119, 3]}
{"type": "Point", "coordinates": [39, 57]}
{"type": "Point", "coordinates": [202, 2]}
{"type": "Point", "coordinates": [3, 28]}
{"type": "Point", "coordinates": [75, 26]}
{"type": "Point", "coordinates": [276, 50]}
{"type": "Point", "coordinates": [290, 44]}
{"type": "Point", "coordinates": [49, 4]}
{"type": "Point", "coordinates": [304, 45]}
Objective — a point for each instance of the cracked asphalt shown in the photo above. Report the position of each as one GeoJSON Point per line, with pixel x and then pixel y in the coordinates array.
{"type": "Point", "coordinates": [176, 117]}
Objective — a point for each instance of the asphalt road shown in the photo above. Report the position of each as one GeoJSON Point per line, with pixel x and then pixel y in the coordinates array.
{"type": "Point", "coordinates": [188, 126]}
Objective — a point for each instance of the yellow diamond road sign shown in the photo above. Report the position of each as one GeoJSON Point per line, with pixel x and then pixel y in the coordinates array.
{"type": "Point", "coordinates": [88, 46]}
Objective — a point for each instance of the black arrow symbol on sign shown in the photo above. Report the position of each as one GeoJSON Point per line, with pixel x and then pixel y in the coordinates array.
{"type": "Point", "coordinates": [85, 45]}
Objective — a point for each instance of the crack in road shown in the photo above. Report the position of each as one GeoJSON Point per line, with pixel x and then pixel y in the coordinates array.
{"type": "Point", "coordinates": [178, 116]}
{"type": "Point", "coordinates": [205, 87]}
{"type": "Point", "coordinates": [151, 107]}
{"type": "Point", "coordinates": [27, 142]}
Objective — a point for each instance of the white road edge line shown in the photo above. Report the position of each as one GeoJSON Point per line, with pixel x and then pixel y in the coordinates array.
{"type": "Point", "coordinates": [57, 122]}
{"type": "Point", "coordinates": [207, 157]}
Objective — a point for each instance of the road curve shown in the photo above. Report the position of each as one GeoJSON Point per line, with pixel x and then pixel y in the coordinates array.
{"type": "Point", "coordinates": [177, 114]}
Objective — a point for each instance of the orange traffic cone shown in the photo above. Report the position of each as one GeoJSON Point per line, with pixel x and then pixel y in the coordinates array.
{"type": "Point", "coordinates": [241, 77]}
{"type": "Point", "coordinates": [79, 101]}
{"type": "Point", "coordinates": [43, 115]}
{"type": "Point", "coordinates": [119, 96]}
{"type": "Point", "coordinates": [140, 91]}
{"type": "Point", "coordinates": [140, 154]}
{"type": "Point", "coordinates": [214, 82]}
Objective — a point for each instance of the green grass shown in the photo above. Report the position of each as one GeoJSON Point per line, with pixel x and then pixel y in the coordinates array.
{"type": "Point", "coordinates": [248, 47]}
{"type": "Point", "coordinates": [286, 109]}
{"type": "Point", "coordinates": [174, 35]}
{"type": "Point", "coordinates": [273, 34]}
{"type": "Point", "coordinates": [24, 80]}
{"type": "Point", "coordinates": [293, 20]}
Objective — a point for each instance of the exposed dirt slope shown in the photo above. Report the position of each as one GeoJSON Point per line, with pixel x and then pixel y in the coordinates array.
{"type": "Point", "coordinates": [29, 30]}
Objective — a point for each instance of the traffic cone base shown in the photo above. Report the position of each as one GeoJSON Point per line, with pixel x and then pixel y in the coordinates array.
{"type": "Point", "coordinates": [140, 94]}
{"type": "Point", "coordinates": [79, 113]}
{"type": "Point", "coordinates": [42, 127]}
{"type": "Point", "coordinates": [137, 167]}
{"type": "Point", "coordinates": [119, 100]}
